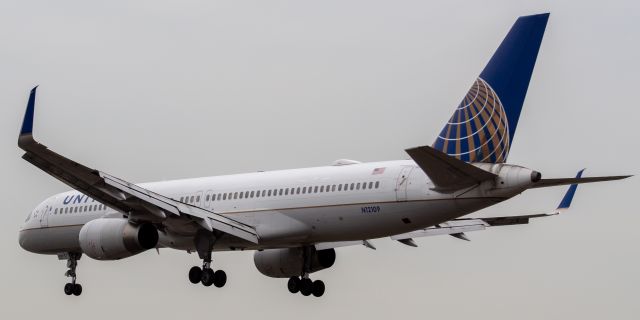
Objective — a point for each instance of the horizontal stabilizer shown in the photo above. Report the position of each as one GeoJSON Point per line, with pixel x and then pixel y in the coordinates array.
{"type": "Point", "coordinates": [447, 173]}
{"type": "Point", "coordinates": [567, 181]}
{"type": "Point", "coordinates": [457, 227]}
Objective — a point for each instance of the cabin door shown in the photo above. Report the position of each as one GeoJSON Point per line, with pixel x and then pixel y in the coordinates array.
{"type": "Point", "coordinates": [402, 182]}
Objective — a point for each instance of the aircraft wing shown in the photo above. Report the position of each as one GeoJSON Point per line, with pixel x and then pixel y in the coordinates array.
{"type": "Point", "coordinates": [447, 173]}
{"type": "Point", "coordinates": [458, 227]}
{"type": "Point", "coordinates": [137, 203]}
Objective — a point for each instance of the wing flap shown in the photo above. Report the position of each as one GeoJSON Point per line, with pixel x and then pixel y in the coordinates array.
{"type": "Point", "coordinates": [450, 227]}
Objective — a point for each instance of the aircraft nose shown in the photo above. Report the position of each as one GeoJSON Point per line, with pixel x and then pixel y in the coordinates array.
{"type": "Point", "coordinates": [27, 241]}
{"type": "Point", "coordinates": [22, 239]}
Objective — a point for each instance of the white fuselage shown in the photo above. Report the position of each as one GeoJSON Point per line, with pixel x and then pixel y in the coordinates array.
{"type": "Point", "coordinates": [290, 207]}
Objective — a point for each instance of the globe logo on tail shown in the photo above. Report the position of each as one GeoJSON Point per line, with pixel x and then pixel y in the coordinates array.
{"type": "Point", "coordinates": [478, 131]}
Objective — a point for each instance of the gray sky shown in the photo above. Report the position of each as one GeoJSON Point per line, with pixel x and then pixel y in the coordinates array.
{"type": "Point", "coordinates": [157, 90]}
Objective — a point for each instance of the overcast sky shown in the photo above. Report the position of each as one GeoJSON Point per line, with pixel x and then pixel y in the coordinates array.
{"type": "Point", "coordinates": [155, 90]}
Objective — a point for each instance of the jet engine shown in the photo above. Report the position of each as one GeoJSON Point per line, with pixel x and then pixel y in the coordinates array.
{"type": "Point", "coordinates": [117, 238]}
{"type": "Point", "coordinates": [289, 262]}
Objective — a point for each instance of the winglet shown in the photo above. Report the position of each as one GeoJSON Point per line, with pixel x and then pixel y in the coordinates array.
{"type": "Point", "coordinates": [27, 122]}
{"type": "Point", "coordinates": [568, 197]}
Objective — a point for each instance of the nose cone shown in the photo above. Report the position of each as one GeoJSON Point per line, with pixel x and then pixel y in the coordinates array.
{"type": "Point", "coordinates": [22, 239]}
{"type": "Point", "coordinates": [28, 240]}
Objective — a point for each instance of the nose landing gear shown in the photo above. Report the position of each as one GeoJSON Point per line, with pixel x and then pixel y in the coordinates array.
{"type": "Point", "coordinates": [72, 288]}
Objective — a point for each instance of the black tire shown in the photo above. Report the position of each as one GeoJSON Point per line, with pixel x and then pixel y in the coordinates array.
{"type": "Point", "coordinates": [318, 288]}
{"type": "Point", "coordinates": [207, 277]}
{"type": "Point", "coordinates": [195, 275]}
{"type": "Point", "coordinates": [77, 289]}
{"type": "Point", "coordinates": [306, 287]}
{"type": "Point", "coordinates": [68, 289]}
{"type": "Point", "coordinates": [220, 278]}
{"type": "Point", "coordinates": [293, 285]}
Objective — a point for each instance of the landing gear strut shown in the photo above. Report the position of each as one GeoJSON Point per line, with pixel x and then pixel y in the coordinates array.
{"type": "Point", "coordinates": [72, 288]}
{"type": "Point", "coordinates": [303, 284]}
{"type": "Point", "coordinates": [204, 245]}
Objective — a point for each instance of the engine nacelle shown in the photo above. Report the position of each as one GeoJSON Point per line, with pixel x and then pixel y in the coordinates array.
{"type": "Point", "coordinates": [117, 238]}
{"type": "Point", "coordinates": [285, 263]}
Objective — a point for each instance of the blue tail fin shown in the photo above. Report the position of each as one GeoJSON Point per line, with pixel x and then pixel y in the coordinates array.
{"type": "Point", "coordinates": [482, 127]}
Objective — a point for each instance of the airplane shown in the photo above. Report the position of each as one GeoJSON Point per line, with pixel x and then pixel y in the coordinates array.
{"type": "Point", "coordinates": [295, 219]}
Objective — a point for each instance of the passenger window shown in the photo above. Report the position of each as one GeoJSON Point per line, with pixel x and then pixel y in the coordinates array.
{"type": "Point", "coordinates": [252, 194]}
{"type": "Point", "coordinates": [219, 196]}
{"type": "Point", "coordinates": [304, 190]}
{"type": "Point", "coordinates": [286, 191]}
{"type": "Point", "coordinates": [207, 198]}
{"type": "Point", "coordinates": [280, 192]}
{"type": "Point", "coordinates": [241, 195]}
{"type": "Point", "coordinates": [333, 188]}
{"type": "Point", "coordinates": [235, 195]}
{"type": "Point", "coordinates": [198, 199]}
{"type": "Point", "coordinates": [377, 184]}
{"type": "Point", "coordinates": [191, 199]}
{"type": "Point", "coordinates": [181, 199]}
{"type": "Point", "coordinates": [357, 186]}
{"type": "Point", "coordinates": [370, 185]}
{"type": "Point", "coordinates": [339, 187]}
{"type": "Point", "coordinates": [269, 193]}
{"type": "Point", "coordinates": [351, 187]}
{"type": "Point", "coordinates": [224, 196]}
{"type": "Point", "coordinates": [264, 193]}
{"type": "Point", "coordinates": [315, 189]}
{"type": "Point", "coordinates": [321, 189]}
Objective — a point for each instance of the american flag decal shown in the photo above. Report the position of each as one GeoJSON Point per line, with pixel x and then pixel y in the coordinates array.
{"type": "Point", "coordinates": [378, 171]}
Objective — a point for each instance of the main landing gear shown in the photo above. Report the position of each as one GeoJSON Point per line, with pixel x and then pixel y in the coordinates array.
{"type": "Point", "coordinates": [207, 276]}
{"type": "Point", "coordinates": [303, 284]}
{"type": "Point", "coordinates": [72, 288]}
{"type": "Point", "coordinates": [204, 245]}
{"type": "Point", "coordinates": [306, 286]}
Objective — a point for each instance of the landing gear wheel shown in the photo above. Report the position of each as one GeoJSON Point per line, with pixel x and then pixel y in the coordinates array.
{"type": "Point", "coordinates": [207, 277]}
{"type": "Point", "coordinates": [77, 289]}
{"type": "Point", "coordinates": [293, 285]}
{"type": "Point", "coordinates": [219, 279]}
{"type": "Point", "coordinates": [306, 286]}
{"type": "Point", "coordinates": [195, 275]}
{"type": "Point", "coordinates": [68, 289]}
{"type": "Point", "coordinates": [318, 288]}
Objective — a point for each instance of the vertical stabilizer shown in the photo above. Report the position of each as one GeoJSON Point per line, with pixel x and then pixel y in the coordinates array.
{"type": "Point", "coordinates": [482, 127]}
